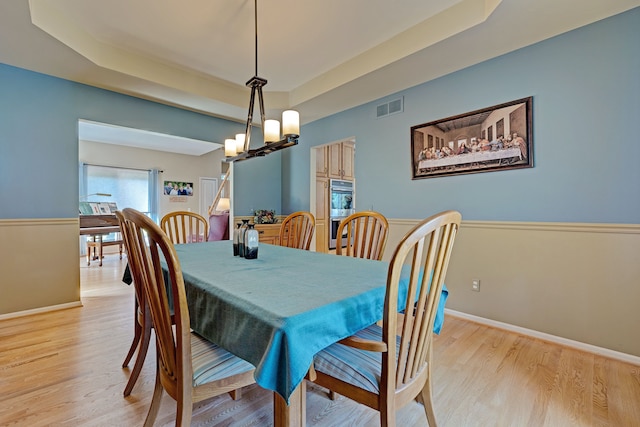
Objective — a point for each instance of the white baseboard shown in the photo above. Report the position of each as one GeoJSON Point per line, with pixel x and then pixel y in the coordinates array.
{"type": "Point", "coordinates": [41, 310]}
{"type": "Point", "coordinates": [600, 351]}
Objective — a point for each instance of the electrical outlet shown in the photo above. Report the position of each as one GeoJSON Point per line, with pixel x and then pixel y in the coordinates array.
{"type": "Point", "coordinates": [475, 285]}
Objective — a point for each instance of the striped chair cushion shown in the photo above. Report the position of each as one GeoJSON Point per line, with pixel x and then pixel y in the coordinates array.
{"type": "Point", "coordinates": [211, 362]}
{"type": "Point", "coordinates": [360, 368]}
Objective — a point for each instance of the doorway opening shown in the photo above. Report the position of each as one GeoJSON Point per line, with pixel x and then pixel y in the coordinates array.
{"type": "Point", "coordinates": [329, 162]}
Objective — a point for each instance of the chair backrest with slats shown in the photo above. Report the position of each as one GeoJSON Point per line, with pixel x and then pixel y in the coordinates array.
{"type": "Point", "coordinates": [135, 273]}
{"type": "Point", "coordinates": [297, 230]}
{"type": "Point", "coordinates": [148, 247]}
{"type": "Point", "coordinates": [426, 251]}
{"type": "Point", "coordinates": [365, 237]}
{"type": "Point", "coordinates": [185, 227]}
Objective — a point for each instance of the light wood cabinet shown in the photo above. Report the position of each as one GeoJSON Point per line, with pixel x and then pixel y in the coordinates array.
{"type": "Point", "coordinates": [268, 233]}
{"type": "Point", "coordinates": [348, 153]}
{"type": "Point", "coordinates": [322, 214]}
{"type": "Point", "coordinates": [322, 162]}
{"type": "Point", "coordinates": [322, 199]}
{"type": "Point", "coordinates": [322, 237]}
{"type": "Point", "coordinates": [335, 161]}
{"type": "Point", "coordinates": [341, 157]}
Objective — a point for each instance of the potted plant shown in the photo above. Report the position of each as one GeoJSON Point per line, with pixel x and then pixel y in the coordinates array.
{"type": "Point", "coordinates": [264, 216]}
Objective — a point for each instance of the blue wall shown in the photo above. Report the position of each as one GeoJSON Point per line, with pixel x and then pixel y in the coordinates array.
{"type": "Point", "coordinates": [586, 106]}
{"type": "Point", "coordinates": [257, 184]}
{"type": "Point", "coordinates": [39, 140]}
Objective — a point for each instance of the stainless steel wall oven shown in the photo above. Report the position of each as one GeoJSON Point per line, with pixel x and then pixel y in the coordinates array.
{"type": "Point", "coordinates": [342, 205]}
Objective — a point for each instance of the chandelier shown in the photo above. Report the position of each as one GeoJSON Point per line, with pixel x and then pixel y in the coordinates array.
{"type": "Point", "coordinates": [239, 148]}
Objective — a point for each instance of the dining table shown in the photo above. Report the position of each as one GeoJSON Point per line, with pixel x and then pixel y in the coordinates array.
{"type": "Point", "coordinates": [279, 310]}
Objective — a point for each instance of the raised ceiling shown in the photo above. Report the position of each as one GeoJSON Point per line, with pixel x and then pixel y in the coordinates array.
{"type": "Point", "coordinates": [319, 57]}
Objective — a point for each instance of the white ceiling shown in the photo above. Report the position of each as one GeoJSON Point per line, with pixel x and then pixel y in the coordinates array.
{"type": "Point", "coordinates": [319, 57]}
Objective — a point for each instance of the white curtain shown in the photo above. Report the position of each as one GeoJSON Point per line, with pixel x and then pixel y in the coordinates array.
{"type": "Point", "coordinates": [154, 191]}
{"type": "Point", "coordinates": [83, 180]}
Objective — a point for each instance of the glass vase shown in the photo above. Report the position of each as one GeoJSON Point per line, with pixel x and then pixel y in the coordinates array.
{"type": "Point", "coordinates": [241, 241]}
{"type": "Point", "coordinates": [251, 243]}
{"type": "Point", "coordinates": [236, 240]}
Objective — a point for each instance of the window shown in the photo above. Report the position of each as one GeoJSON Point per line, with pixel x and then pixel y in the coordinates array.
{"type": "Point", "coordinates": [129, 188]}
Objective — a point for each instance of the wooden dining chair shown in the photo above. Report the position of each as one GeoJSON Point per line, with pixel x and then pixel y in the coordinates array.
{"type": "Point", "coordinates": [185, 227]}
{"type": "Point", "coordinates": [142, 324]}
{"type": "Point", "coordinates": [297, 230]}
{"type": "Point", "coordinates": [189, 368]}
{"type": "Point", "coordinates": [181, 227]}
{"type": "Point", "coordinates": [177, 225]}
{"type": "Point", "coordinates": [365, 237]}
{"type": "Point", "coordinates": [385, 367]}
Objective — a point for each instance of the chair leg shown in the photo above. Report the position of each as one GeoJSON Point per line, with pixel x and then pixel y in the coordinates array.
{"type": "Point", "coordinates": [137, 333]}
{"type": "Point", "coordinates": [428, 402]}
{"type": "Point", "coordinates": [236, 394]}
{"type": "Point", "coordinates": [142, 354]}
{"type": "Point", "coordinates": [155, 402]}
{"type": "Point", "coordinates": [184, 410]}
{"type": "Point", "coordinates": [387, 416]}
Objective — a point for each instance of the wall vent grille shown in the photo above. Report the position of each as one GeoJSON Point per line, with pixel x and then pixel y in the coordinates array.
{"type": "Point", "coordinates": [394, 106]}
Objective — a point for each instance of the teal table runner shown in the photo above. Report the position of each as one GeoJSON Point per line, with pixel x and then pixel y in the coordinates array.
{"type": "Point", "coordinates": [279, 310]}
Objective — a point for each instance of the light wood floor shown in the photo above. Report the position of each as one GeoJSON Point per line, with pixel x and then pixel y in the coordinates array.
{"type": "Point", "coordinates": [63, 369]}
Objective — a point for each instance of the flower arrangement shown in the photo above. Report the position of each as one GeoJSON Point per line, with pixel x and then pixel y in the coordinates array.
{"type": "Point", "coordinates": [264, 216]}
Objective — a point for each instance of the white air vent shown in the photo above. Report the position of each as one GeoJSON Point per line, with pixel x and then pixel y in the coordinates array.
{"type": "Point", "coordinates": [392, 107]}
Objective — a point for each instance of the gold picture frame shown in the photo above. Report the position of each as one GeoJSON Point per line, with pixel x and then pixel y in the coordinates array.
{"type": "Point", "coordinates": [491, 139]}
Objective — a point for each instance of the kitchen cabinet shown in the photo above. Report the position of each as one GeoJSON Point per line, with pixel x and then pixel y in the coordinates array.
{"type": "Point", "coordinates": [322, 214]}
{"type": "Point", "coordinates": [322, 199]}
{"type": "Point", "coordinates": [341, 157]}
{"type": "Point", "coordinates": [348, 153]}
{"type": "Point", "coordinates": [269, 233]}
{"type": "Point", "coordinates": [322, 162]}
{"type": "Point", "coordinates": [322, 237]}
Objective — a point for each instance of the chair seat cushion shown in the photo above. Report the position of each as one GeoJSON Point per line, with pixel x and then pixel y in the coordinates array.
{"type": "Point", "coordinates": [211, 362]}
{"type": "Point", "coordinates": [360, 368]}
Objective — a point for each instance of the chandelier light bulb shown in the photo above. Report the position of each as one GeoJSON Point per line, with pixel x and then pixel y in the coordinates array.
{"type": "Point", "coordinates": [271, 131]}
{"type": "Point", "coordinates": [229, 147]}
{"type": "Point", "coordinates": [240, 138]}
{"type": "Point", "coordinates": [290, 123]}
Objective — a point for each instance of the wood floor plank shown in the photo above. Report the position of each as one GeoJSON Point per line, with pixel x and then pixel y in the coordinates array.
{"type": "Point", "coordinates": [64, 369]}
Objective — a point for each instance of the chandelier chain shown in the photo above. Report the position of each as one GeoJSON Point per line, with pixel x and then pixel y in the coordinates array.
{"type": "Point", "coordinates": [255, 20]}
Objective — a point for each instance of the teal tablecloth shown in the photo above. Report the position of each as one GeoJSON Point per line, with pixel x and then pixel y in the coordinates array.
{"type": "Point", "coordinates": [279, 310]}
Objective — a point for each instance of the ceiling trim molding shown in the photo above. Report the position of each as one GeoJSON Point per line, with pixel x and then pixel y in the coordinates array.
{"type": "Point", "coordinates": [144, 139]}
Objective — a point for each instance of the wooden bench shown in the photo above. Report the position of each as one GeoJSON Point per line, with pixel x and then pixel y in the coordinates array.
{"type": "Point", "coordinates": [97, 241]}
